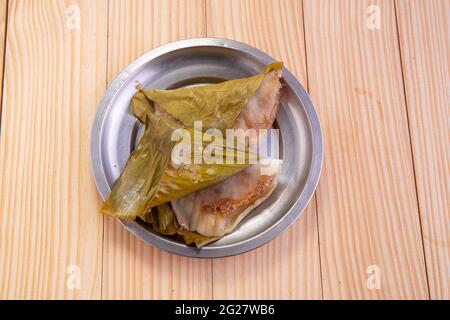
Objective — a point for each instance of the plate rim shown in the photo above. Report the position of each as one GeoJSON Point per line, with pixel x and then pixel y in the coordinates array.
{"type": "Point", "coordinates": [249, 244]}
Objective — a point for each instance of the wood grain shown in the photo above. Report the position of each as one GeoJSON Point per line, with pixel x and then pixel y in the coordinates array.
{"type": "Point", "coordinates": [288, 267]}
{"type": "Point", "coordinates": [133, 269]}
{"type": "Point", "coordinates": [3, 22]}
{"type": "Point", "coordinates": [367, 207]}
{"type": "Point", "coordinates": [424, 29]}
{"type": "Point", "coordinates": [49, 206]}
{"type": "Point", "coordinates": [383, 98]}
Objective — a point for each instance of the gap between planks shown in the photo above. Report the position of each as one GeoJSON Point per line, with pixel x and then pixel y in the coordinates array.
{"type": "Point", "coordinates": [408, 122]}
{"type": "Point", "coordinates": [4, 33]}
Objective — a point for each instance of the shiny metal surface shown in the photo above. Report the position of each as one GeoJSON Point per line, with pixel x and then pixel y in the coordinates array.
{"type": "Point", "coordinates": [206, 60]}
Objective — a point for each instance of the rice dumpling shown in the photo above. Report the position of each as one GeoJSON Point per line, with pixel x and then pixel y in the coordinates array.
{"type": "Point", "coordinates": [216, 210]}
{"type": "Point", "coordinates": [151, 178]}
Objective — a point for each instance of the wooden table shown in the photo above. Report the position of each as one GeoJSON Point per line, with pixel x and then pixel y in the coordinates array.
{"type": "Point", "coordinates": [379, 224]}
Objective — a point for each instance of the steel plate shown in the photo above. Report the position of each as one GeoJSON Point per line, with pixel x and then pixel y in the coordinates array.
{"type": "Point", "coordinates": [207, 60]}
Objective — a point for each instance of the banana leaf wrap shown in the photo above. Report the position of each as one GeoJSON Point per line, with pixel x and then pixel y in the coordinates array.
{"type": "Point", "coordinates": [149, 178]}
{"type": "Point", "coordinates": [162, 220]}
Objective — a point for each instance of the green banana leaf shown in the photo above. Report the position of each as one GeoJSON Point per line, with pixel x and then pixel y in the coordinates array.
{"type": "Point", "coordinates": [149, 179]}
{"type": "Point", "coordinates": [162, 220]}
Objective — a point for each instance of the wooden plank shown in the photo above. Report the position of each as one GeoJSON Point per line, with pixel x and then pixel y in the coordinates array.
{"type": "Point", "coordinates": [368, 214]}
{"type": "Point", "coordinates": [288, 267]}
{"type": "Point", "coordinates": [50, 231]}
{"type": "Point", "coordinates": [133, 269]}
{"type": "Point", "coordinates": [424, 29]}
{"type": "Point", "coordinates": [3, 16]}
